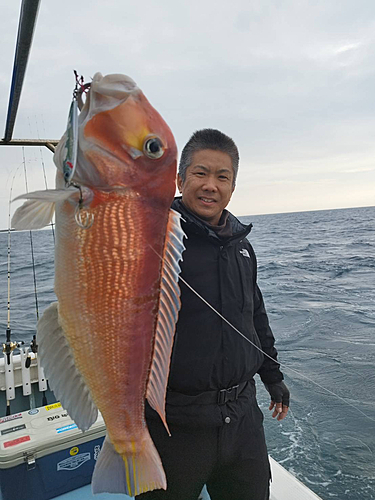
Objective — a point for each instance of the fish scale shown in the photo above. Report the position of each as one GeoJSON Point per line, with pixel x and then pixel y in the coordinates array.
{"type": "Point", "coordinates": [111, 320]}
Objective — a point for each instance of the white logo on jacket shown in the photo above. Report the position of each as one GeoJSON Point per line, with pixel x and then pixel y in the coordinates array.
{"type": "Point", "coordinates": [245, 253]}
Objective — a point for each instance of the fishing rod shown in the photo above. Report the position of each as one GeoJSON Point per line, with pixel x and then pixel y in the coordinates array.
{"type": "Point", "coordinates": [9, 346]}
{"type": "Point", "coordinates": [42, 382]}
{"type": "Point", "coordinates": [31, 241]}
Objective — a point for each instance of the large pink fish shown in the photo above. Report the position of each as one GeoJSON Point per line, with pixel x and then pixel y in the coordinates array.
{"type": "Point", "coordinates": [106, 343]}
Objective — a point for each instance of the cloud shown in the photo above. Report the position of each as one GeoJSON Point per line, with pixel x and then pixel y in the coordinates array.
{"type": "Point", "coordinates": [291, 81]}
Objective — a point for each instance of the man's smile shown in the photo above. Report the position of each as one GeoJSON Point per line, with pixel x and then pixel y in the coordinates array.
{"type": "Point", "coordinates": [207, 200]}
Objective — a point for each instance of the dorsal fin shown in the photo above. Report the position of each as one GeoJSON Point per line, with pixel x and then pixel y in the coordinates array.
{"type": "Point", "coordinates": [169, 306]}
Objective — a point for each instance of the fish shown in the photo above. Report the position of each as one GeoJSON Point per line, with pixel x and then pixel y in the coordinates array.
{"type": "Point", "coordinates": [106, 343]}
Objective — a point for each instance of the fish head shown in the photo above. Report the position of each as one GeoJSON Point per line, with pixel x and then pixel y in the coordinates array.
{"type": "Point", "coordinates": [123, 142]}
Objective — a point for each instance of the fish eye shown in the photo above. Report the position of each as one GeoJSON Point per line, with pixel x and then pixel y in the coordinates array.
{"type": "Point", "coordinates": [153, 147]}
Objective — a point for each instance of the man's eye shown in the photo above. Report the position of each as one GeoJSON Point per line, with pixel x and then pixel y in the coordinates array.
{"type": "Point", "coordinates": [201, 174]}
{"type": "Point", "coordinates": [224, 177]}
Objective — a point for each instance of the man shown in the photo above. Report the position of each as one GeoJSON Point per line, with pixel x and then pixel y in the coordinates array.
{"type": "Point", "coordinates": [217, 435]}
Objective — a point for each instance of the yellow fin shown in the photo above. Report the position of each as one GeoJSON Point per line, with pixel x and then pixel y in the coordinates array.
{"type": "Point", "coordinates": [131, 474]}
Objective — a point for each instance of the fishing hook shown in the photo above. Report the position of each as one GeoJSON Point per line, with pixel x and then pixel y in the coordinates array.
{"type": "Point", "coordinates": [82, 216]}
{"type": "Point", "coordinates": [80, 89]}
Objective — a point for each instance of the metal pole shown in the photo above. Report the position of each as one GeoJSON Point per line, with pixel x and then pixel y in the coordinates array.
{"type": "Point", "coordinates": [50, 144]}
{"type": "Point", "coordinates": [28, 15]}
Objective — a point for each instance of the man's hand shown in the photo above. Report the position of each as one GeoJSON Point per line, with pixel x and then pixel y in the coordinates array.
{"type": "Point", "coordinates": [279, 399]}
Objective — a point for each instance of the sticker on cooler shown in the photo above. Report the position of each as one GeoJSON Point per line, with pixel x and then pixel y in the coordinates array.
{"type": "Point", "coordinates": [13, 429]}
{"type": "Point", "coordinates": [73, 463]}
{"type": "Point", "coordinates": [10, 417]}
{"type": "Point", "coordinates": [53, 407]}
{"type": "Point", "coordinates": [14, 442]}
{"type": "Point", "coordinates": [56, 417]}
{"type": "Point", "coordinates": [96, 451]}
{"type": "Point", "coordinates": [59, 430]}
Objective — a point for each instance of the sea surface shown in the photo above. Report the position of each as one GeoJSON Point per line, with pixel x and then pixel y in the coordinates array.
{"type": "Point", "coordinates": [317, 274]}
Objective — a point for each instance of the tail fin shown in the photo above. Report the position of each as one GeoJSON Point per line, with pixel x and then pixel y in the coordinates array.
{"type": "Point", "coordinates": [130, 474]}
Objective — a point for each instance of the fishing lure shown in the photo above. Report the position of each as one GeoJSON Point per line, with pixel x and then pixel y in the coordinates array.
{"type": "Point", "coordinates": [83, 217]}
{"type": "Point", "coordinates": [71, 144]}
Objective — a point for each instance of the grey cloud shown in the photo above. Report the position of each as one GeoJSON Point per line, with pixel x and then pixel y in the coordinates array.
{"type": "Point", "coordinates": [290, 81]}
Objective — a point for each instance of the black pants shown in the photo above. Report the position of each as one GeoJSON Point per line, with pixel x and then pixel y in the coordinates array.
{"type": "Point", "coordinates": [231, 460]}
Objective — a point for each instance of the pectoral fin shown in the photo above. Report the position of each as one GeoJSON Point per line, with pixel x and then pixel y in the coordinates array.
{"type": "Point", "coordinates": [50, 195]}
{"type": "Point", "coordinates": [63, 376]}
{"type": "Point", "coordinates": [169, 306]}
{"type": "Point", "coordinates": [33, 214]}
{"type": "Point", "coordinates": [38, 211]}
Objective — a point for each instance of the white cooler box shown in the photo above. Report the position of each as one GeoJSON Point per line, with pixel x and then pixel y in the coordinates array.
{"type": "Point", "coordinates": [43, 454]}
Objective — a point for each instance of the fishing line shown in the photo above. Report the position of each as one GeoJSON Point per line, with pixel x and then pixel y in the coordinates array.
{"type": "Point", "coordinates": [13, 169]}
{"type": "Point", "coordinates": [259, 349]}
{"type": "Point", "coordinates": [31, 242]}
{"type": "Point", "coordinates": [355, 439]}
{"type": "Point", "coordinates": [44, 172]}
{"type": "Point", "coordinates": [9, 240]}
{"type": "Point", "coordinates": [268, 356]}
{"type": "Point", "coordinates": [31, 135]}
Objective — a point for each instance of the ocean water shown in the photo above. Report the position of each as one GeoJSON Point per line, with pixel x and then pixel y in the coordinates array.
{"type": "Point", "coordinates": [317, 274]}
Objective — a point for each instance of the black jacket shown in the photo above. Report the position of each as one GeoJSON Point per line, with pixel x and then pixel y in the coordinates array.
{"type": "Point", "coordinates": [207, 353]}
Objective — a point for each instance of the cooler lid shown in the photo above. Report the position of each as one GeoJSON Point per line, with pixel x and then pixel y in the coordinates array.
{"type": "Point", "coordinates": [40, 432]}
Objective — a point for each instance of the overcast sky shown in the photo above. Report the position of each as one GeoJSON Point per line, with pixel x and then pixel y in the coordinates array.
{"type": "Point", "coordinates": [291, 81]}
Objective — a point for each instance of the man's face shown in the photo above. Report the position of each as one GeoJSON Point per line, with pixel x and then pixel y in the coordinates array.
{"type": "Point", "coordinates": [208, 184]}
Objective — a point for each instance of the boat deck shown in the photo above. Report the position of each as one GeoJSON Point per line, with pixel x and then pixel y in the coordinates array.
{"type": "Point", "coordinates": [284, 487]}
{"type": "Point", "coordinates": [44, 422]}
